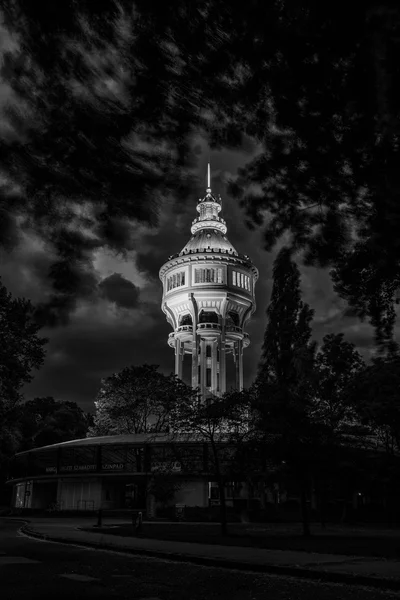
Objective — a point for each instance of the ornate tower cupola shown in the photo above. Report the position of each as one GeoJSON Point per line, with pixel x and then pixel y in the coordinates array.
{"type": "Point", "coordinates": [208, 297]}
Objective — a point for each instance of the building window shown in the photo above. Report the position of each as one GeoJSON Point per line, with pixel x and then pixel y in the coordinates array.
{"type": "Point", "coordinates": [208, 276]}
{"type": "Point", "coordinates": [241, 280]}
{"type": "Point", "coordinates": [208, 317]}
{"type": "Point", "coordinates": [208, 351]}
{"type": "Point", "coordinates": [176, 280]}
{"type": "Point", "coordinates": [186, 320]}
{"type": "Point", "coordinates": [208, 377]}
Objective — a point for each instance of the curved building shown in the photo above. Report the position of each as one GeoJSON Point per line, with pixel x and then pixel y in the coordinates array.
{"type": "Point", "coordinates": [208, 297]}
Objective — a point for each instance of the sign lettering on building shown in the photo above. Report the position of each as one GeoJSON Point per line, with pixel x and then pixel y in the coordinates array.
{"type": "Point", "coordinates": [78, 468]}
{"type": "Point", "coordinates": [112, 466]}
{"type": "Point", "coordinates": [51, 469]}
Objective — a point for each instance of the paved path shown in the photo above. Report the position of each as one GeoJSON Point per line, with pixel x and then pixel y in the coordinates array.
{"type": "Point", "coordinates": [329, 567]}
{"type": "Point", "coordinates": [31, 568]}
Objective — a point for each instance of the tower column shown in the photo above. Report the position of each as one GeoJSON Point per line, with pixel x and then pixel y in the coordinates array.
{"type": "Point", "coordinates": [222, 362]}
{"type": "Point", "coordinates": [214, 366]}
{"type": "Point", "coordinates": [240, 361]}
{"type": "Point", "coordinates": [238, 354]}
{"type": "Point", "coordinates": [195, 343]}
{"type": "Point", "coordinates": [203, 367]}
{"type": "Point", "coordinates": [178, 358]}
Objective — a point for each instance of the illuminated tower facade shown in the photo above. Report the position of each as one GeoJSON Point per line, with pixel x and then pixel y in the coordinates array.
{"type": "Point", "coordinates": [208, 297]}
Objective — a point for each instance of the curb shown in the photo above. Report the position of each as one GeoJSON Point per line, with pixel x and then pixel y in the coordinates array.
{"type": "Point", "coordinates": [299, 572]}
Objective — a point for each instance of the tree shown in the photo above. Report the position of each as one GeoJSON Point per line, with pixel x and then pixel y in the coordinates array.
{"type": "Point", "coordinates": [21, 351]}
{"type": "Point", "coordinates": [324, 113]}
{"type": "Point", "coordinates": [337, 363]}
{"type": "Point", "coordinates": [102, 120]}
{"type": "Point", "coordinates": [285, 385]}
{"type": "Point", "coordinates": [44, 421]}
{"type": "Point", "coordinates": [320, 109]}
{"type": "Point", "coordinates": [137, 400]}
{"type": "Point", "coordinates": [224, 424]}
{"type": "Point", "coordinates": [374, 396]}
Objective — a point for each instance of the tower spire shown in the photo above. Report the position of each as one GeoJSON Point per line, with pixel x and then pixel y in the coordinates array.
{"type": "Point", "coordinates": [208, 190]}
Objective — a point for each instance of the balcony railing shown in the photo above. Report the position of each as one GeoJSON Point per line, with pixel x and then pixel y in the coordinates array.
{"type": "Point", "coordinates": [234, 328]}
{"type": "Point", "coordinates": [203, 326]}
{"type": "Point", "coordinates": [184, 328]}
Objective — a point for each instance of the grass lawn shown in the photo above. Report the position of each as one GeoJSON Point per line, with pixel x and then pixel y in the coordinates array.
{"type": "Point", "coordinates": [359, 541]}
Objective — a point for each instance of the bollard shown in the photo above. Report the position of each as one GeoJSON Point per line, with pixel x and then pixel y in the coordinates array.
{"type": "Point", "coordinates": [99, 518]}
{"type": "Point", "coordinates": [137, 520]}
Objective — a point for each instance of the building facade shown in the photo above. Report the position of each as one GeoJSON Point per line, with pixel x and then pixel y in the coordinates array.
{"type": "Point", "coordinates": [208, 298]}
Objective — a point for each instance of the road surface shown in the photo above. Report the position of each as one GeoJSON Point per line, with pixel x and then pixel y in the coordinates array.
{"type": "Point", "coordinates": [39, 570]}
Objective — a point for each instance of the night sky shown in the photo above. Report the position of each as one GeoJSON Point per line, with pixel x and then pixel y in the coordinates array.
{"type": "Point", "coordinates": [121, 323]}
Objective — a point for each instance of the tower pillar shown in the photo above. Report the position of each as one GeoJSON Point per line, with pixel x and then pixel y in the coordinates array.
{"type": "Point", "coordinates": [222, 362]}
{"type": "Point", "coordinates": [240, 361]}
{"type": "Point", "coordinates": [179, 358]}
{"type": "Point", "coordinates": [203, 366]}
{"type": "Point", "coordinates": [238, 358]}
{"type": "Point", "coordinates": [214, 363]}
{"type": "Point", "coordinates": [195, 344]}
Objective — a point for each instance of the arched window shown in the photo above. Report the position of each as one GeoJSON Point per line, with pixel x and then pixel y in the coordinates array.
{"type": "Point", "coordinates": [186, 320]}
{"type": "Point", "coordinates": [233, 317]}
{"type": "Point", "coordinates": [208, 317]}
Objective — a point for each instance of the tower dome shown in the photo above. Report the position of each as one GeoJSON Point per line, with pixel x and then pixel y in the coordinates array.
{"type": "Point", "coordinates": [208, 297]}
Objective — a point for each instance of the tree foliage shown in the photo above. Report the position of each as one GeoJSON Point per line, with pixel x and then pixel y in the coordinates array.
{"type": "Point", "coordinates": [224, 424]}
{"type": "Point", "coordinates": [106, 98]}
{"type": "Point", "coordinates": [45, 421]}
{"type": "Point", "coordinates": [138, 399]}
{"type": "Point", "coordinates": [285, 386]}
{"type": "Point", "coordinates": [375, 397]}
{"type": "Point", "coordinates": [21, 349]}
{"type": "Point", "coordinates": [337, 363]}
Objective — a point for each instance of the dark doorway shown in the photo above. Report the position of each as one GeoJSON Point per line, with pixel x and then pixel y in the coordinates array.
{"type": "Point", "coordinates": [135, 495]}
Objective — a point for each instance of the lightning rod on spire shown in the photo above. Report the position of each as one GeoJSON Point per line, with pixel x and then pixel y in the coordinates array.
{"type": "Point", "coordinates": [208, 176]}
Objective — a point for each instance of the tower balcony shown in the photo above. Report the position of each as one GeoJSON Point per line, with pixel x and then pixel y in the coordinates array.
{"type": "Point", "coordinates": [184, 333]}
{"type": "Point", "coordinates": [234, 333]}
{"type": "Point", "coordinates": [208, 329]}
{"type": "Point", "coordinates": [171, 340]}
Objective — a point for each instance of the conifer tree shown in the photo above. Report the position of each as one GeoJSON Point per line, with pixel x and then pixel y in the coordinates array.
{"type": "Point", "coordinates": [285, 383]}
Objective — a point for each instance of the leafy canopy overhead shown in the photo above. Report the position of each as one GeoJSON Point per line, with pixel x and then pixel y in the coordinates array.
{"type": "Point", "coordinates": [106, 98]}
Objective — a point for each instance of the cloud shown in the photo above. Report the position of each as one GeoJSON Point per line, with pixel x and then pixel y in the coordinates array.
{"type": "Point", "coordinates": [119, 290]}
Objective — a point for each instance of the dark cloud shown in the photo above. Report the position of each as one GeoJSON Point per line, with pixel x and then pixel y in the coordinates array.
{"type": "Point", "coordinates": [9, 234]}
{"type": "Point", "coordinates": [116, 288]}
{"type": "Point", "coordinates": [73, 282]}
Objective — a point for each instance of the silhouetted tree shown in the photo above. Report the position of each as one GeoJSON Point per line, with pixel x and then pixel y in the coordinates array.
{"type": "Point", "coordinates": [138, 399]}
{"type": "Point", "coordinates": [285, 384]}
{"type": "Point", "coordinates": [21, 351]}
{"type": "Point", "coordinates": [337, 363]}
{"type": "Point", "coordinates": [224, 424]}
{"type": "Point", "coordinates": [106, 98]}
{"type": "Point", "coordinates": [45, 421]}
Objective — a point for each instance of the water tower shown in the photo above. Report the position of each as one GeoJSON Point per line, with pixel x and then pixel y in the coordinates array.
{"type": "Point", "coordinates": [208, 298]}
